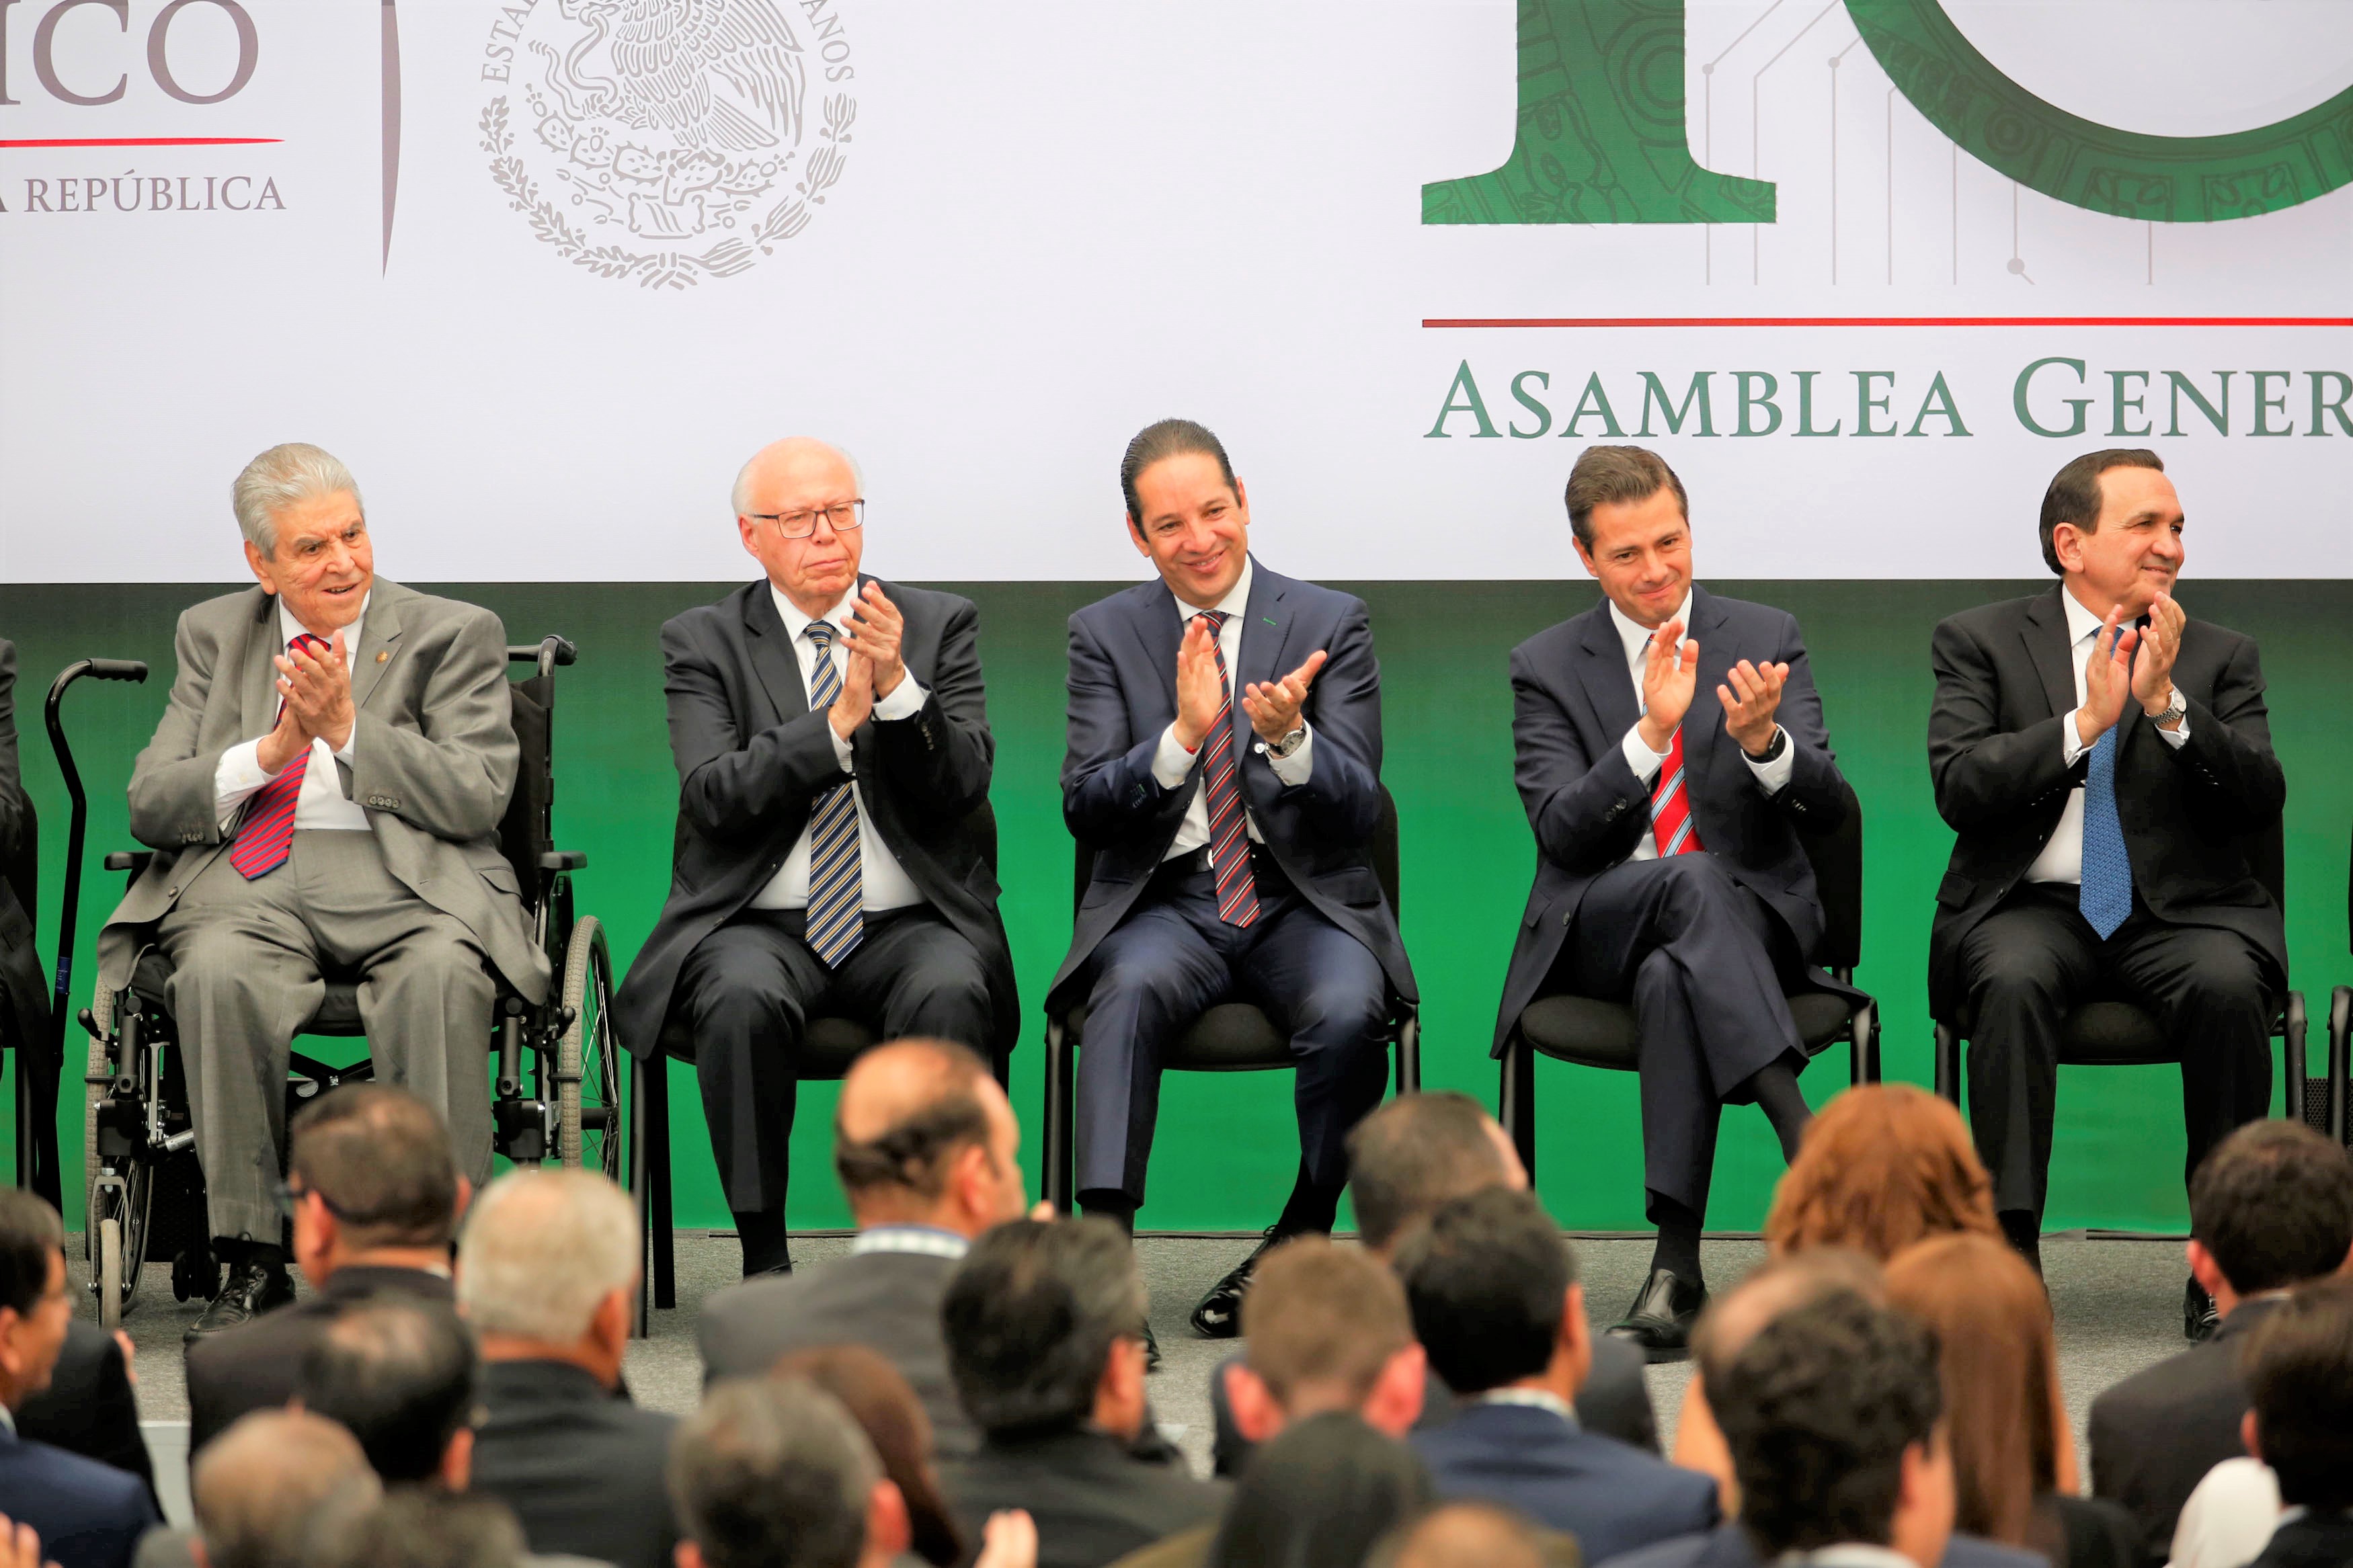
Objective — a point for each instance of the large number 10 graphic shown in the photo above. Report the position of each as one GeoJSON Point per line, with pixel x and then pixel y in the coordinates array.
{"type": "Point", "coordinates": [1601, 134]}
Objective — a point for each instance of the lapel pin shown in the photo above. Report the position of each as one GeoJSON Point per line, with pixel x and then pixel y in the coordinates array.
{"type": "Point", "coordinates": [383, 655]}
{"type": "Point", "coordinates": [1268, 619]}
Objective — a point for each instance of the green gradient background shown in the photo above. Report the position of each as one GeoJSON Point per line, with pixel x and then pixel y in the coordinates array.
{"type": "Point", "coordinates": [1227, 1146]}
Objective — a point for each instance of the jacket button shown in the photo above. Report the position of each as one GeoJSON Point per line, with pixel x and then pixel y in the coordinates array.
{"type": "Point", "coordinates": [172, 893]}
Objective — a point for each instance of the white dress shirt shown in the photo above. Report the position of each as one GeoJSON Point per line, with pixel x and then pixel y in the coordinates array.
{"type": "Point", "coordinates": [1635, 639]}
{"type": "Point", "coordinates": [1848, 1554]}
{"type": "Point", "coordinates": [1172, 763]}
{"type": "Point", "coordinates": [2062, 859]}
{"type": "Point", "coordinates": [322, 801]}
{"type": "Point", "coordinates": [881, 876]}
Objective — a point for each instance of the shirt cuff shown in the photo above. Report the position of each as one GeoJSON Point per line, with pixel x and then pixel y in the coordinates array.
{"type": "Point", "coordinates": [906, 700]}
{"type": "Point", "coordinates": [1295, 769]}
{"type": "Point", "coordinates": [1774, 776]}
{"type": "Point", "coordinates": [2177, 738]}
{"type": "Point", "coordinates": [234, 777]}
{"type": "Point", "coordinates": [1645, 762]}
{"type": "Point", "coordinates": [840, 748]}
{"type": "Point", "coordinates": [2071, 740]}
{"type": "Point", "coordinates": [1172, 763]}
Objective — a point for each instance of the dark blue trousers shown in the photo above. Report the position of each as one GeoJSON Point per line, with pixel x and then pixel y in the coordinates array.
{"type": "Point", "coordinates": [1170, 961]}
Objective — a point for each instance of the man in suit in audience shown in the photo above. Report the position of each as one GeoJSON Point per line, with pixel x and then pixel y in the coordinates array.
{"type": "Point", "coordinates": [2300, 1371]}
{"type": "Point", "coordinates": [2103, 759]}
{"type": "Point", "coordinates": [89, 1406]}
{"type": "Point", "coordinates": [832, 745]}
{"type": "Point", "coordinates": [547, 1279]}
{"type": "Point", "coordinates": [1041, 1323]}
{"type": "Point", "coordinates": [324, 793]}
{"type": "Point", "coordinates": [401, 1375]}
{"type": "Point", "coordinates": [375, 1194]}
{"type": "Point", "coordinates": [1670, 873]}
{"type": "Point", "coordinates": [2271, 1209]}
{"type": "Point", "coordinates": [929, 1154]}
{"type": "Point", "coordinates": [1405, 1160]}
{"type": "Point", "coordinates": [1496, 1305]}
{"type": "Point", "coordinates": [259, 1489]}
{"type": "Point", "coordinates": [87, 1515]}
{"type": "Point", "coordinates": [1224, 766]}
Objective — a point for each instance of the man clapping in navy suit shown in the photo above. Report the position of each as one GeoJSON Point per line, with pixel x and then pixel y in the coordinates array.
{"type": "Point", "coordinates": [1224, 767]}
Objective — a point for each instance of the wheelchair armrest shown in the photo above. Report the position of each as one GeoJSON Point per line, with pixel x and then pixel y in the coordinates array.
{"type": "Point", "coordinates": [563, 859]}
{"type": "Point", "coordinates": [132, 860]}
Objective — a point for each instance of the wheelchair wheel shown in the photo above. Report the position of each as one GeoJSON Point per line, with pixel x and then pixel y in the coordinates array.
{"type": "Point", "coordinates": [109, 1273]}
{"type": "Point", "coordinates": [120, 1203]}
{"type": "Point", "coordinates": [587, 1071]}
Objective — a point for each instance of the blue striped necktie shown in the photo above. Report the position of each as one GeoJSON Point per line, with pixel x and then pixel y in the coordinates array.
{"type": "Point", "coordinates": [2104, 893]}
{"type": "Point", "coordinates": [837, 892]}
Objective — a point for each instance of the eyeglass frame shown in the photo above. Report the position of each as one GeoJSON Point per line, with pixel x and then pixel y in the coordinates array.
{"type": "Point", "coordinates": [857, 508]}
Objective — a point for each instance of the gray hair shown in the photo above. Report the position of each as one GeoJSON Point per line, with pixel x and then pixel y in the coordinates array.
{"type": "Point", "coordinates": [739, 499]}
{"type": "Point", "coordinates": [773, 1469]}
{"type": "Point", "coordinates": [284, 475]}
{"type": "Point", "coordinates": [541, 1249]}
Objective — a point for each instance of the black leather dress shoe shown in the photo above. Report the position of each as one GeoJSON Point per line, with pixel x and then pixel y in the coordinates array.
{"type": "Point", "coordinates": [2201, 1319]}
{"type": "Point", "coordinates": [1659, 1321]}
{"type": "Point", "coordinates": [1151, 1349]}
{"type": "Point", "coordinates": [252, 1290]}
{"type": "Point", "coordinates": [1220, 1315]}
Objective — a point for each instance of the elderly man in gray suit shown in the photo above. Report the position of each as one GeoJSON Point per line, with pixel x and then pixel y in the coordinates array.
{"type": "Point", "coordinates": [324, 790]}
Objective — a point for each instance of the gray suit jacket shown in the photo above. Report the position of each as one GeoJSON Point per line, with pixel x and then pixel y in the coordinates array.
{"type": "Point", "coordinates": [434, 758]}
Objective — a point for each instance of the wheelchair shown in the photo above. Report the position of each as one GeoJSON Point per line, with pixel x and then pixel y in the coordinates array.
{"type": "Point", "coordinates": [558, 1063]}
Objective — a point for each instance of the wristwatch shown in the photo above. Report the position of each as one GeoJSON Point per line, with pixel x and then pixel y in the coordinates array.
{"type": "Point", "coordinates": [1773, 748]}
{"type": "Point", "coordinates": [1289, 743]}
{"type": "Point", "coordinates": [2176, 706]}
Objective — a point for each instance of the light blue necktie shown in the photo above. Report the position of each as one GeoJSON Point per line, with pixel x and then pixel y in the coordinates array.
{"type": "Point", "coordinates": [837, 892]}
{"type": "Point", "coordinates": [2106, 893]}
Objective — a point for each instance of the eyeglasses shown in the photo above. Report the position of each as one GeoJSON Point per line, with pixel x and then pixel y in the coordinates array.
{"type": "Point", "coordinates": [842, 518]}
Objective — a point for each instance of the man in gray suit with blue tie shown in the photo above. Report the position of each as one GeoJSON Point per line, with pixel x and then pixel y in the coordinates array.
{"type": "Point", "coordinates": [1224, 765]}
{"type": "Point", "coordinates": [324, 793]}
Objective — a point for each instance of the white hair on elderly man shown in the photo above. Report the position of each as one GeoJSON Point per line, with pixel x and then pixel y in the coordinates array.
{"type": "Point", "coordinates": [540, 1250]}
{"type": "Point", "coordinates": [739, 499]}
{"type": "Point", "coordinates": [289, 473]}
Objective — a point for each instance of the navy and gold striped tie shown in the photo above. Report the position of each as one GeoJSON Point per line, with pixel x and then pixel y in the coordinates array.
{"type": "Point", "coordinates": [837, 892]}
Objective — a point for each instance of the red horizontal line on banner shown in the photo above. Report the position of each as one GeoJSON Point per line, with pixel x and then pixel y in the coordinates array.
{"type": "Point", "coordinates": [1887, 321]}
{"type": "Point", "coordinates": [141, 141]}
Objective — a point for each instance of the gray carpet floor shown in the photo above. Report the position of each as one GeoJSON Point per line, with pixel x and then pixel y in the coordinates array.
{"type": "Point", "coordinates": [2118, 1304]}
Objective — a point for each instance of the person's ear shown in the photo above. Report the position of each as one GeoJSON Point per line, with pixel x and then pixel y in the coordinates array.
{"type": "Point", "coordinates": [196, 1553]}
{"type": "Point", "coordinates": [1257, 1415]}
{"type": "Point", "coordinates": [1585, 556]}
{"type": "Point", "coordinates": [746, 527]}
{"type": "Point", "coordinates": [457, 1460]}
{"type": "Point", "coordinates": [614, 1317]}
{"type": "Point", "coordinates": [1241, 502]}
{"type": "Point", "coordinates": [11, 1360]}
{"type": "Point", "coordinates": [260, 564]}
{"type": "Point", "coordinates": [1395, 1403]}
{"type": "Point", "coordinates": [1135, 531]}
{"type": "Point", "coordinates": [1576, 1336]}
{"type": "Point", "coordinates": [889, 1531]}
{"type": "Point", "coordinates": [2067, 544]}
{"type": "Point", "coordinates": [972, 1179]}
{"type": "Point", "coordinates": [464, 1197]}
{"type": "Point", "coordinates": [2249, 1438]}
{"type": "Point", "coordinates": [2345, 1269]}
{"type": "Point", "coordinates": [686, 1555]}
{"type": "Point", "coordinates": [2205, 1270]}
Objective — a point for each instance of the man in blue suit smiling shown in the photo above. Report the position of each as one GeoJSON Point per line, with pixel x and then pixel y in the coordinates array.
{"type": "Point", "coordinates": [1224, 767]}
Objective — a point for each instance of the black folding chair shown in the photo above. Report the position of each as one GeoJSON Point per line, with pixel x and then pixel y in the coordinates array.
{"type": "Point", "coordinates": [1588, 1032]}
{"type": "Point", "coordinates": [2324, 1100]}
{"type": "Point", "coordinates": [1232, 1037]}
{"type": "Point", "coordinates": [2113, 1031]}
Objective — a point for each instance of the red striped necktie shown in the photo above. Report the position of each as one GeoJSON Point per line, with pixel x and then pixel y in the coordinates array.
{"type": "Point", "coordinates": [1670, 819]}
{"type": "Point", "coordinates": [267, 834]}
{"type": "Point", "coordinates": [1221, 787]}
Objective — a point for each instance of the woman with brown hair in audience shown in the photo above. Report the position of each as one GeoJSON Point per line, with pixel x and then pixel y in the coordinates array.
{"type": "Point", "coordinates": [879, 1401]}
{"type": "Point", "coordinates": [2003, 1413]}
{"type": "Point", "coordinates": [1884, 1165]}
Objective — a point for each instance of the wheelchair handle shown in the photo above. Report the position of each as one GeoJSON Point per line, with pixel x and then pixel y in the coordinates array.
{"type": "Point", "coordinates": [131, 669]}
{"type": "Point", "coordinates": [548, 653]}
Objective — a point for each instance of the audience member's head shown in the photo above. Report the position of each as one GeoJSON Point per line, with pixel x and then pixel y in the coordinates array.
{"type": "Point", "coordinates": [1883, 1166]}
{"type": "Point", "coordinates": [1731, 1320]}
{"type": "Point", "coordinates": [370, 1175]}
{"type": "Point", "coordinates": [1418, 1151]}
{"type": "Point", "coordinates": [1044, 1323]}
{"type": "Point", "coordinates": [886, 1409]}
{"type": "Point", "coordinates": [2002, 1412]}
{"type": "Point", "coordinates": [773, 1470]}
{"type": "Point", "coordinates": [2299, 1368]}
{"type": "Point", "coordinates": [1326, 1328]}
{"type": "Point", "coordinates": [1470, 1535]}
{"type": "Point", "coordinates": [1494, 1297]}
{"type": "Point", "coordinates": [547, 1269]}
{"type": "Point", "coordinates": [2270, 1208]}
{"type": "Point", "coordinates": [1832, 1413]}
{"type": "Point", "coordinates": [422, 1527]}
{"type": "Point", "coordinates": [399, 1374]}
{"type": "Point", "coordinates": [34, 1307]}
{"type": "Point", "coordinates": [922, 1135]}
{"type": "Point", "coordinates": [259, 1486]}
{"type": "Point", "coordinates": [1320, 1496]}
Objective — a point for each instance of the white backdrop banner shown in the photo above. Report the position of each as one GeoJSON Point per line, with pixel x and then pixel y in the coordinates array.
{"type": "Point", "coordinates": [545, 271]}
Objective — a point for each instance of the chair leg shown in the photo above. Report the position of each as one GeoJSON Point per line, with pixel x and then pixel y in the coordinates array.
{"type": "Point", "coordinates": [1408, 1053]}
{"type": "Point", "coordinates": [1863, 1046]}
{"type": "Point", "coordinates": [2340, 1038]}
{"type": "Point", "coordinates": [665, 1231]}
{"type": "Point", "coordinates": [2292, 1027]}
{"type": "Point", "coordinates": [1516, 1100]}
{"type": "Point", "coordinates": [1948, 1063]}
{"type": "Point", "coordinates": [1059, 1118]}
{"type": "Point", "coordinates": [641, 1325]}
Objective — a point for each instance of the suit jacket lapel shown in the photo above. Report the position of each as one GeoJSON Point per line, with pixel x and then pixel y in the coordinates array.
{"type": "Point", "coordinates": [257, 684]}
{"type": "Point", "coordinates": [1266, 632]}
{"type": "Point", "coordinates": [773, 659]}
{"type": "Point", "coordinates": [2053, 650]}
{"type": "Point", "coordinates": [379, 632]}
{"type": "Point", "coordinates": [1607, 684]}
{"type": "Point", "coordinates": [1704, 726]}
{"type": "Point", "coordinates": [1159, 633]}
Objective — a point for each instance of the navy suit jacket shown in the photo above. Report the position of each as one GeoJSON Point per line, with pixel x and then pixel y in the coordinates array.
{"type": "Point", "coordinates": [89, 1515]}
{"type": "Point", "coordinates": [1123, 695]}
{"type": "Point", "coordinates": [1612, 1497]}
{"type": "Point", "coordinates": [1727, 1546]}
{"type": "Point", "coordinates": [1572, 703]}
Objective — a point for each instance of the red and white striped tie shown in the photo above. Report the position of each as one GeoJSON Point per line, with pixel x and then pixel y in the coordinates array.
{"type": "Point", "coordinates": [267, 834]}
{"type": "Point", "coordinates": [1670, 818]}
{"type": "Point", "coordinates": [1222, 791]}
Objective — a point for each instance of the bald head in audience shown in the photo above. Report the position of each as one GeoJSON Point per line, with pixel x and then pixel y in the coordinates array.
{"type": "Point", "coordinates": [922, 1135]}
{"type": "Point", "coordinates": [259, 1485]}
{"type": "Point", "coordinates": [1470, 1535]}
